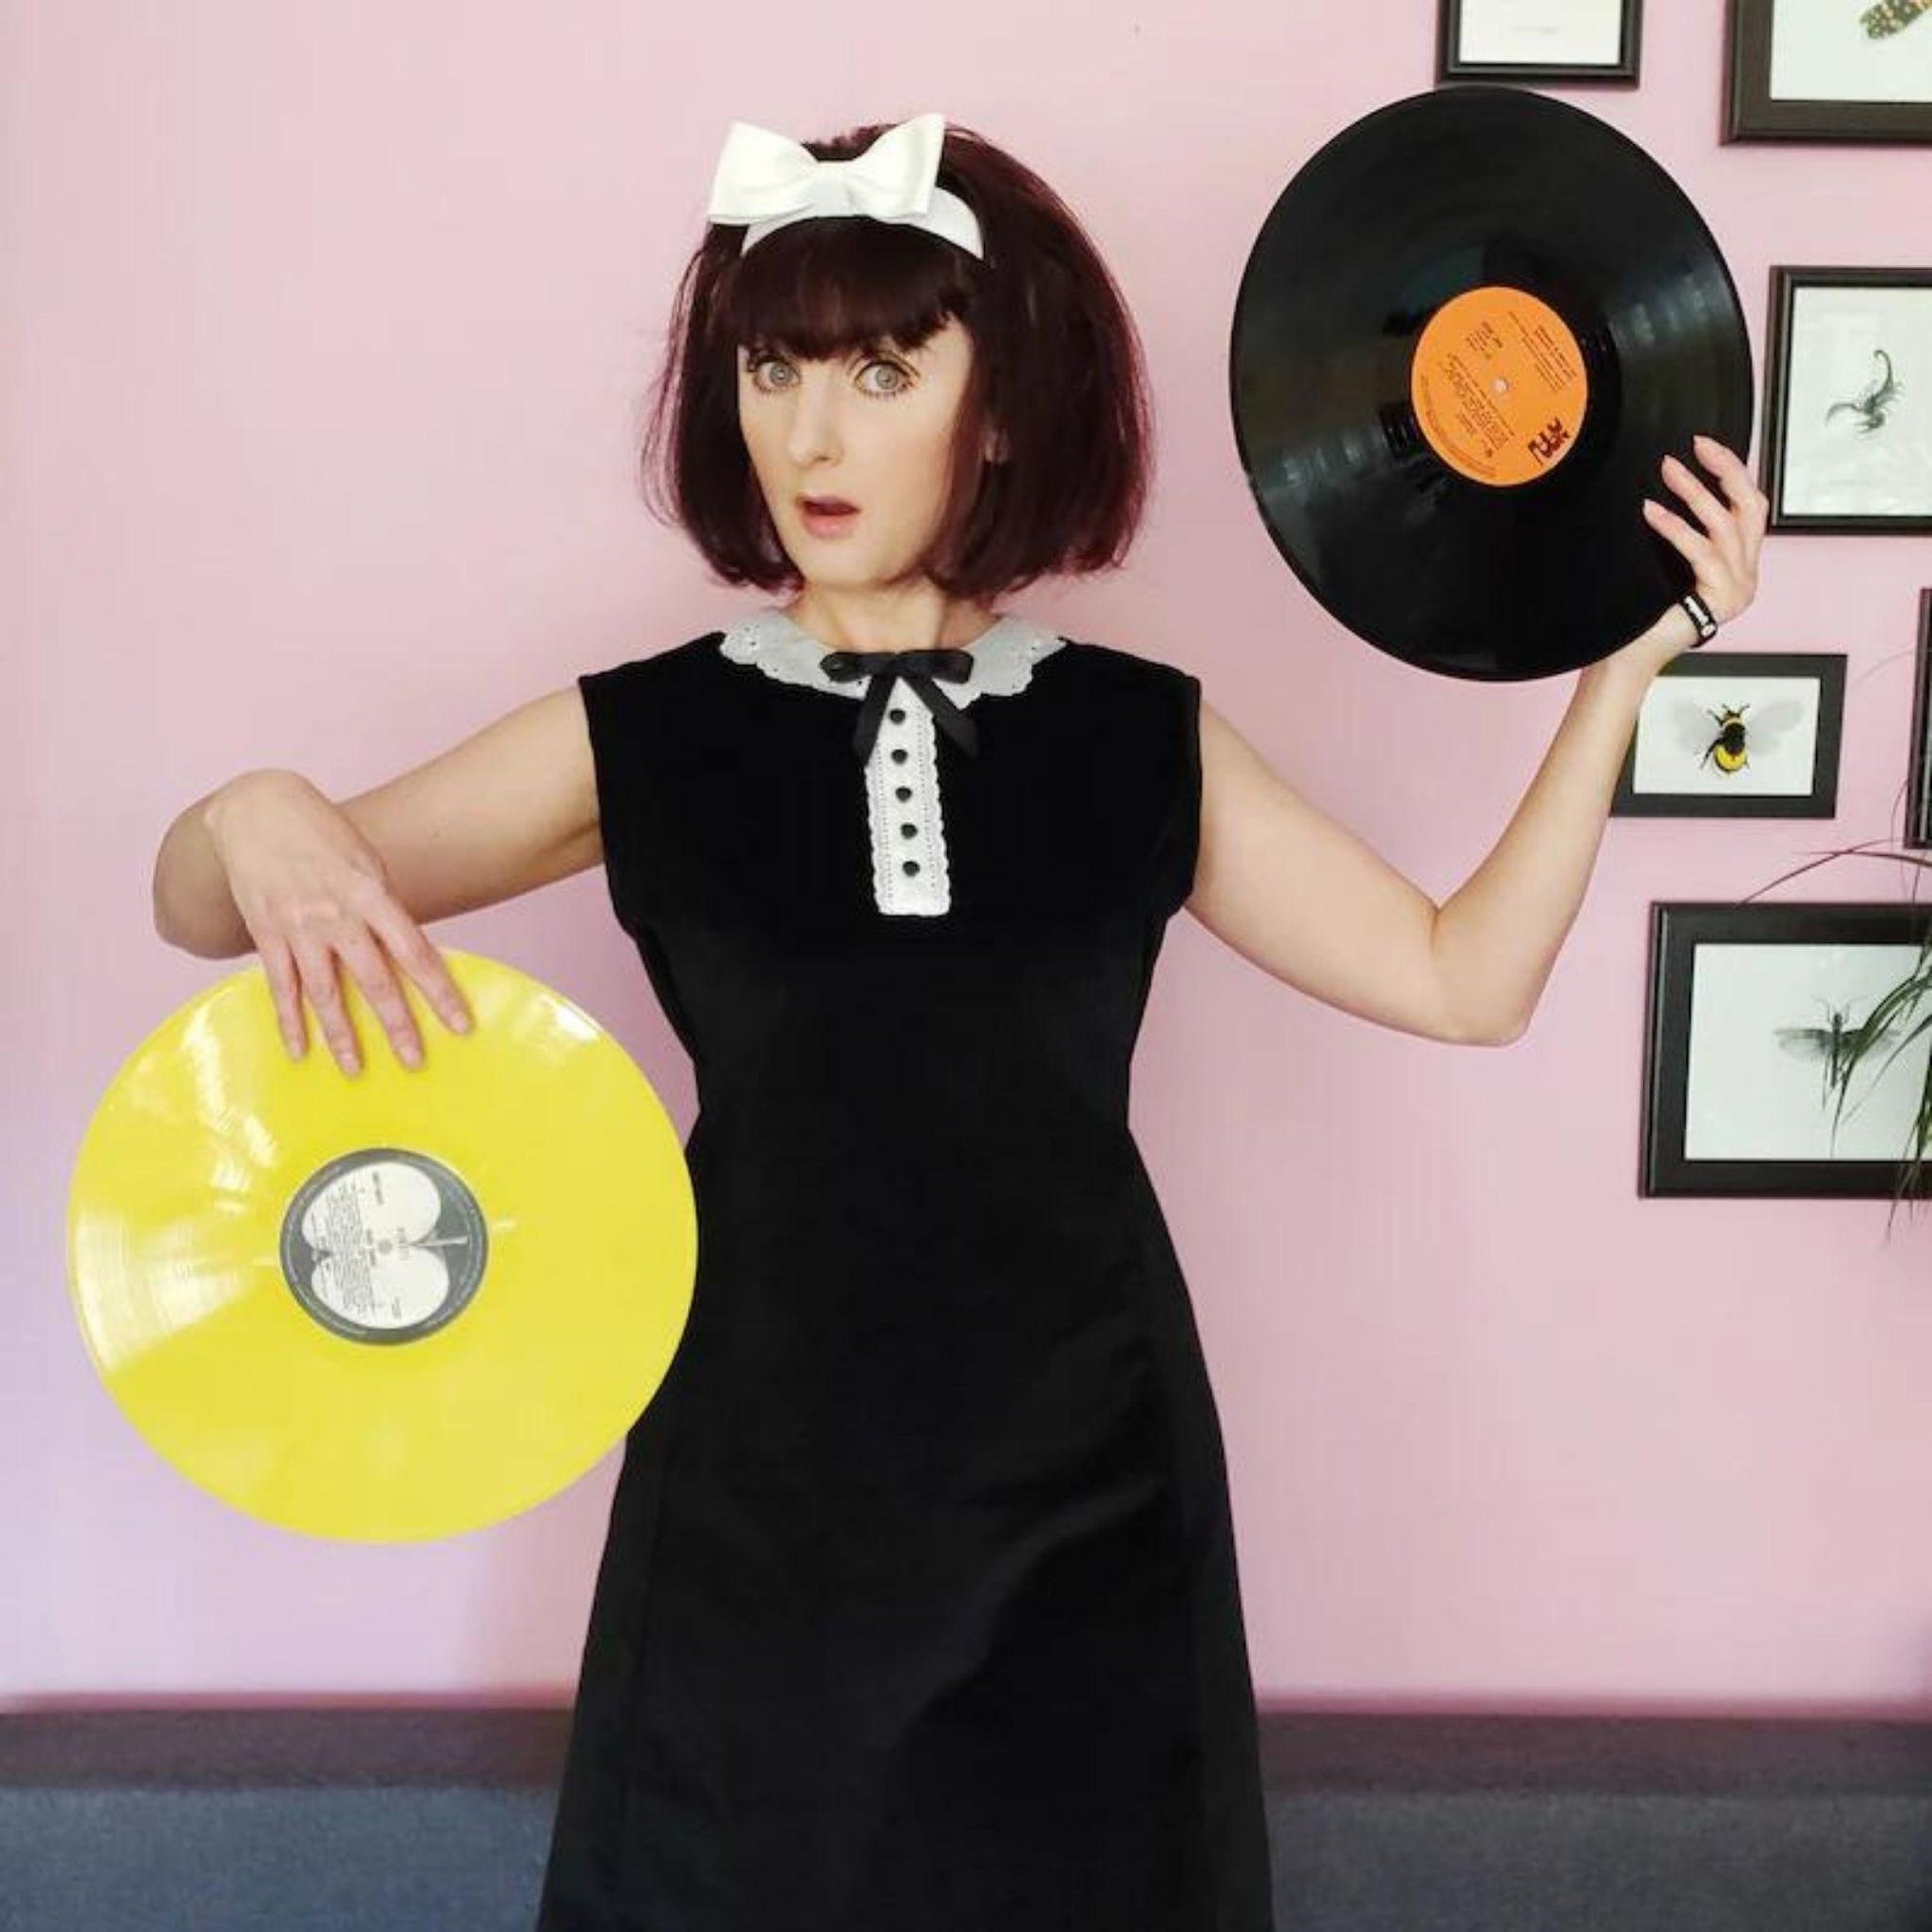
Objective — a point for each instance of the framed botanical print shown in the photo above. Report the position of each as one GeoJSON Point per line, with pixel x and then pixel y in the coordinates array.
{"type": "Point", "coordinates": [1539, 40]}
{"type": "Point", "coordinates": [1829, 70]}
{"type": "Point", "coordinates": [1738, 733]}
{"type": "Point", "coordinates": [1783, 1052]}
{"type": "Point", "coordinates": [1847, 400]}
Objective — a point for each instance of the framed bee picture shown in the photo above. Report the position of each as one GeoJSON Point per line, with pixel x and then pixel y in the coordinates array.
{"type": "Point", "coordinates": [1847, 400]}
{"type": "Point", "coordinates": [1918, 791]}
{"type": "Point", "coordinates": [1539, 40]}
{"type": "Point", "coordinates": [1785, 1052]}
{"type": "Point", "coordinates": [1829, 70]}
{"type": "Point", "coordinates": [1742, 733]}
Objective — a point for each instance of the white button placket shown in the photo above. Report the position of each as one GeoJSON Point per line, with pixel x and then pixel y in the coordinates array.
{"type": "Point", "coordinates": [904, 814]}
{"type": "Point", "coordinates": [910, 873]}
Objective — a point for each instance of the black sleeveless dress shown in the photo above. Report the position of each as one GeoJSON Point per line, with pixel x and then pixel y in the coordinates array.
{"type": "Point", "coordinates": [918, 1610]}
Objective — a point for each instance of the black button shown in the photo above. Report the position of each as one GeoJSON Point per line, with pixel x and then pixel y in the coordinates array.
{"type": "Point", "coordinates": [901, 791]}
{"type": "Point", "coordinates": [910, 831]}
{"type": "Point", "coordinates": [898, 757]}
{"type": "Point", "coordinates": [912, 865]}
{"type": "Point", "coordinates": [897, 714]}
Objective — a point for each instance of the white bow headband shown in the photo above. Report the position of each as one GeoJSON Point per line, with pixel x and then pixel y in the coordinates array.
{"type": "Point", "coordinates": [767, 181]}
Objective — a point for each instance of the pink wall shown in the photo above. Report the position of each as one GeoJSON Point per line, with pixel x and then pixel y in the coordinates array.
{"type": "Point", "coordinates": [325, 329]}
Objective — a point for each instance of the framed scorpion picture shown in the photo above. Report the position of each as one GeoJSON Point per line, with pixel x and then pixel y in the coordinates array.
{"type": "Point", "coordinates": [1539, 40]}
{"type": "Point", "coordinates": [1829, 70]}
{"type": "Point", "coordinates": [1847, 400]}
{"type": "Point", "coordinates": [1739, 734]}
{"type": "Point", "coordinates": [1783, 1052]}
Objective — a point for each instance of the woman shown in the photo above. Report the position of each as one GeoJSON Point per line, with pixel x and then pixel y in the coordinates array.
{"type": "Point", "coordinates": [919, 1605]}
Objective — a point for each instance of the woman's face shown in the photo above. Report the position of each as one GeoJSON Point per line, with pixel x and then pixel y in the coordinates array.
{"type": "Point", "coordinates": [874, 430]}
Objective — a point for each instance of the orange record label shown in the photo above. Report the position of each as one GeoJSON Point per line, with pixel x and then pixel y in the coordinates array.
{"type": "Point", "coordinates": [1498, 385]}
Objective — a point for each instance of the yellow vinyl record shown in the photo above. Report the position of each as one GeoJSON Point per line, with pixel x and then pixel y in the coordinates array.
{"type": "Point", "coordinates": [389, 1306]}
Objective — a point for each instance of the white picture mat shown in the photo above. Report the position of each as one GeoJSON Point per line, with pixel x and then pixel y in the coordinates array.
{"type": "Point", "coordinates": [1542, 33]}
{"type": "Point", "coordinates": [1832, 468]}
{"type": "Point", "coordinates": [1819, 51]}
{"type": "Point", "coordinates": [1747, 1098]}
{"type": "Point", "coordinates": [1780, 736]}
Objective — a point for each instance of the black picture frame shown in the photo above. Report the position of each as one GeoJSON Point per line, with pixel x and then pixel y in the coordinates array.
{"type": "Point", "coordinates": [1624, 72]}
{"type": "Point", "coordinates": [1725, 740]}
{"type": "Point", "coordinates": [1918, 791]}
{"type": "Point", "coordinates": [1678, 930]}
{"type": "Point", "coordinates": [1789, 282]}
{"type": "Point", "coordinates": [1752, 113]}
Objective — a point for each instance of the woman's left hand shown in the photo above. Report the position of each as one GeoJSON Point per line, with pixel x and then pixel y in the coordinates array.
{"type": "Point", "coordinates": [1723, 554]}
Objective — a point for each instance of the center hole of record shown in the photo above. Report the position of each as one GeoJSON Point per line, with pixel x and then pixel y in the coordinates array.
{"type": "Point", "coordinates": [383, 1244]}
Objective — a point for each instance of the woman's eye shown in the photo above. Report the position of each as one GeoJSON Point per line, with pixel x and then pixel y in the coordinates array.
{"type": "Point", "coordinates": [902, 377]}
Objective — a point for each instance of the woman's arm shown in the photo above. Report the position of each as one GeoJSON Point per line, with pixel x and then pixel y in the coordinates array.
{"type": "Point", "coordinates": [511, 808]}
{"type": "Point", "coordinates": [1309, 902]}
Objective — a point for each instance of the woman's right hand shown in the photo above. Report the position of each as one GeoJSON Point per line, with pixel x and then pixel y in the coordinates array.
{"type": "Point", "coordinates": [310, 887]}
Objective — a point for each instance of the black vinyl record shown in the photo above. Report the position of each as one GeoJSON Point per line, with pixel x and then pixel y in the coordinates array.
{"type": "Point", "coordinates": [1468, 331]}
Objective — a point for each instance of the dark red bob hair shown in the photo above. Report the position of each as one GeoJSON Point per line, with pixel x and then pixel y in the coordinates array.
{"type": "Point", "coordinates": [1057, 370]}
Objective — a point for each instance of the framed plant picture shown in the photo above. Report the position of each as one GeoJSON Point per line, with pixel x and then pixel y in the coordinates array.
{"type": "Point", "coordinates": [1829, 70]}
{"type": "Point", "coordinates": [1918, 789]}
{"type": "Point", "coordinates": [1539, 40]}
{"type": "Point", "coordinates": [1784, 1055]}
{"type": "Point", "coordinates": [1847, 400]}
{"type": "Point", "coordinates": [1739, 734]}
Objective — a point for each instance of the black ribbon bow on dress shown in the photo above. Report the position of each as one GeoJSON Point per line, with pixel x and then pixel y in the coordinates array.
{"type": "Point", "coordinates": [919, 668]}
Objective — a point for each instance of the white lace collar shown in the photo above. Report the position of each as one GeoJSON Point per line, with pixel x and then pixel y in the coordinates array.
{"type": "Point", "coordinates": [1003, 655]}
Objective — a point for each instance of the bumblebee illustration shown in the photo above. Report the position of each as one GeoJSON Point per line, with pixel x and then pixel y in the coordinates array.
{"type": "Point", "coordinates": [1729, 749]}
